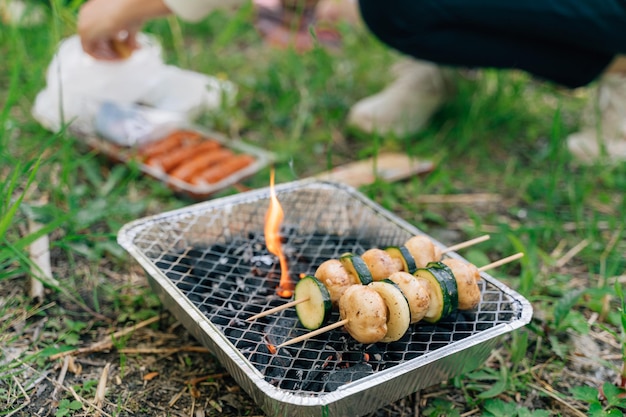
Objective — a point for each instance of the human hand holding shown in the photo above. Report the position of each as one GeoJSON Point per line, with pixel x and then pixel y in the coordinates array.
{"type": "Point", "coordinates": [108, 28]}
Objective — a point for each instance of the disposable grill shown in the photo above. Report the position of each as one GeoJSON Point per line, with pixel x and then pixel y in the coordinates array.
{"type": "Point", "coordinates": [211, 268]}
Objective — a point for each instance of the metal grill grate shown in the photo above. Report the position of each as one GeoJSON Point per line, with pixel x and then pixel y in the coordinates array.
{"type": "Point", "coordinates": [213, 257]}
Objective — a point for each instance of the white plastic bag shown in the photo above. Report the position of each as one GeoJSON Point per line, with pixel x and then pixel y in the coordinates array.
{"type": "Point", "coordinates": [140, 92]}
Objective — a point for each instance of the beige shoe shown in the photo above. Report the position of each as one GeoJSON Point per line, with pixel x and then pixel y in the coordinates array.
{"type": "Point", "coordinates": [338, 11]}
{"type": "Point", "coordinates": [604, 135]}
{"type": "Point", "coordinates": [407, 104]}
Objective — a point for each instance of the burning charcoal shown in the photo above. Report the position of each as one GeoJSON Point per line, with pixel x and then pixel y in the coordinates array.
{"type": "Point", "coordinates": [262, 356]}
{"type": "Point", "coordinates": [353, 357]}
{"type": "Point", "coordinates": [344, 376]}
{"type": "Point", "coordinates": [277, 368]}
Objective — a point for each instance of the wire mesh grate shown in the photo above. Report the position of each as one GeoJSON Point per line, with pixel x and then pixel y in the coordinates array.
{"type": "Point", "coordinates": [218, 260]}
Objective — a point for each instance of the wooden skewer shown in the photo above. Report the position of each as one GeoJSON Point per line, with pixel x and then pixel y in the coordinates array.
{"type": "Point", "coordinates": [314, 333]}
{"type": "Point", "coordinates": [501, 262]}
{"type": "Point", "coordinates": [466, 244]}
{"type": "Point", "coordinates": [279, 308]}
{"type": "Point", "coordinates": [285, 306]}
{"type": "Point", "coordinates": [345, 321]}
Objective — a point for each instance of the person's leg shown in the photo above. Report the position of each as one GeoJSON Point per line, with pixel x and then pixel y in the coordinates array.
{"type": "Point", "coordinates": [618, 66]}
{"type": "Point", "coordinates": [570, 42]}
{"type": "Point", "coordinates": [604, 119]}
{"type": "Point", "coordinates": [405, 106]}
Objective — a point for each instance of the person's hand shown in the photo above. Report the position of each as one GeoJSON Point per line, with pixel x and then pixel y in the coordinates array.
{"type": "Point", "coordinates": [108, 28]}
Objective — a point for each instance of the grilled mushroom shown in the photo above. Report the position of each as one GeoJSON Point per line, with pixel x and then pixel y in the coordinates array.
{"type": "Point", "coordinates": [335, 277]}
{"type": "Point", "coordinates": [365, 312]}
{"type": "Point", "coordinates": [380, 263]}
{"type": "Point", "coordinates": [467, 277]}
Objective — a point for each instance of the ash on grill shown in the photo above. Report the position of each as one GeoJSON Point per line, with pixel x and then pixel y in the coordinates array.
{"type": "Point", "coordinates": [231, 281]}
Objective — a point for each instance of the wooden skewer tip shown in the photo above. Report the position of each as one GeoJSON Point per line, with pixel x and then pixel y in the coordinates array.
{"type": "Point", "coordinates": [345, 321]}
{"type": "Point", "coordinates": [313, 333]}
{"type": "Point", "coordinates": [466, 244]}
{"type": "Point", "coordinates": [501, 262]}
{"type": "Point", "coordinates": [277, 309]}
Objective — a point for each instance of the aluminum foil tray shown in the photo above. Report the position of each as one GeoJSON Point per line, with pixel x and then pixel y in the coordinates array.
{"type": "Point", "coordinates": [210, 266]}
{"type": "Point", "coordinates": [128, 155]}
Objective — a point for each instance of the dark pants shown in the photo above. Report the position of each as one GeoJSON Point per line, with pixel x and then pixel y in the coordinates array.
{"type": "Point", "coordinates": [569, 42]}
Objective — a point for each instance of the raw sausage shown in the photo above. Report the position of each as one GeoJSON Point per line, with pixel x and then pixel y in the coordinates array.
{"type": "Point", "coordinates": [169, 143]}
{"type": "Point", "coordinates": [171, 160]}
{"type": "Point", "coordinates": [223, 169]}
{"type": "Point", "coordinates": [187, 170]}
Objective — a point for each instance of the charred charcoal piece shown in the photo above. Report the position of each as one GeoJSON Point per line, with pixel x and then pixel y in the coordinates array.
{"type": "Point", "coordinates": [279, 328]}
{"type": "Point", "coordinates": [353, 357]}
{"type": "Point", "coordinates": [277, 368]}
{"type": "Point", "coordinates": [243, 339]}
{"type": "Point", "coordinates": [166, 260]}
{"type": "Point", "coordinates": [222, 317]}
{"type": "Point", "coordinates": [206, 309]}
{"type": "Point", "coordinates": [261, 356]}
{"type": "Point", "coordinates": [197, 299]}
{"type": "Point", "coordinates": [344, 376]}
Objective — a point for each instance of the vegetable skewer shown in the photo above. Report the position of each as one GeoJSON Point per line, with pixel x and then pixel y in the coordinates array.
{"type": "Point", "coordinates": [346, 321]}
{"type": "Point", "coordinates": [335, 273]}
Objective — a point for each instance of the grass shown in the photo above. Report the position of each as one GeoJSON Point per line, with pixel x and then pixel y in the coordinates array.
{"type": "Point", "coordinates": [502, 135]}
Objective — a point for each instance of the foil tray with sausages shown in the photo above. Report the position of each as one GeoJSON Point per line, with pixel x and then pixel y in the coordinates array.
{"type": "Point", "coordinates": [189, 159]}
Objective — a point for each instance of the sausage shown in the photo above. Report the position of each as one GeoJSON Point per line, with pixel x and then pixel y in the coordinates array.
{"type": "Point", "coordinates": [187, 170]}
{"type": "Point", "coordinates": [170, 142]}
{"type": "Point", "coordinates": [223, 169]}
{"type": "Point", "coordinates": [171, 160]}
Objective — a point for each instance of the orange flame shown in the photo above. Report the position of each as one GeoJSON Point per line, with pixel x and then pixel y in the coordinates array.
{"type": "Point", "coordinates": [273, 220]}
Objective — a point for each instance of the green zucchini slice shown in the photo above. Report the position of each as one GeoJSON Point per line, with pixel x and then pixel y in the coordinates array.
{"type": "Point", "coordinates": [398, 310]}
{"type": "Point", "coordinates": [402, 254]}
{"type": "Point", "coordinates": [444, 297]}
{"type": "Point", "coordinates": [356, 266]}
{"type": "Point", "coordinates": [316, 311]}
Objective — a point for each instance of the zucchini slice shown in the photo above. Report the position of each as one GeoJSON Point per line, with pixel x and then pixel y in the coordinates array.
{"type": "Point", "coordinates": [399, 312]}
{"type": "Point", "coordinates": [402, 254]}
{"type": "Point", "coordinates": [316, 311]}
{"type": "Point", "coordinates": [444, 296]}
{"type": "Point", "coordinates": [356, 266]}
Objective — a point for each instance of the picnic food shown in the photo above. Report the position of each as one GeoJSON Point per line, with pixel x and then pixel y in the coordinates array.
{"type": "Point", "coordinates": [316, 309]}
{"type": "Point", "coordinates": [224, 168]}
{"type": "Point", "coordinates": [367, 321]}
{"type": "Point", "coordinates": [169, 143]}
{"type": "Point", "coordinates": [337, 275]}
{"type": "Point", "coordinates": [431, 292]}
{"type": "Point", "coordinates": [188, 156]}
{"type": "Point", "coordinates": [189, 170]}
{"type": "Point", "coordinates": [382, 310]}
